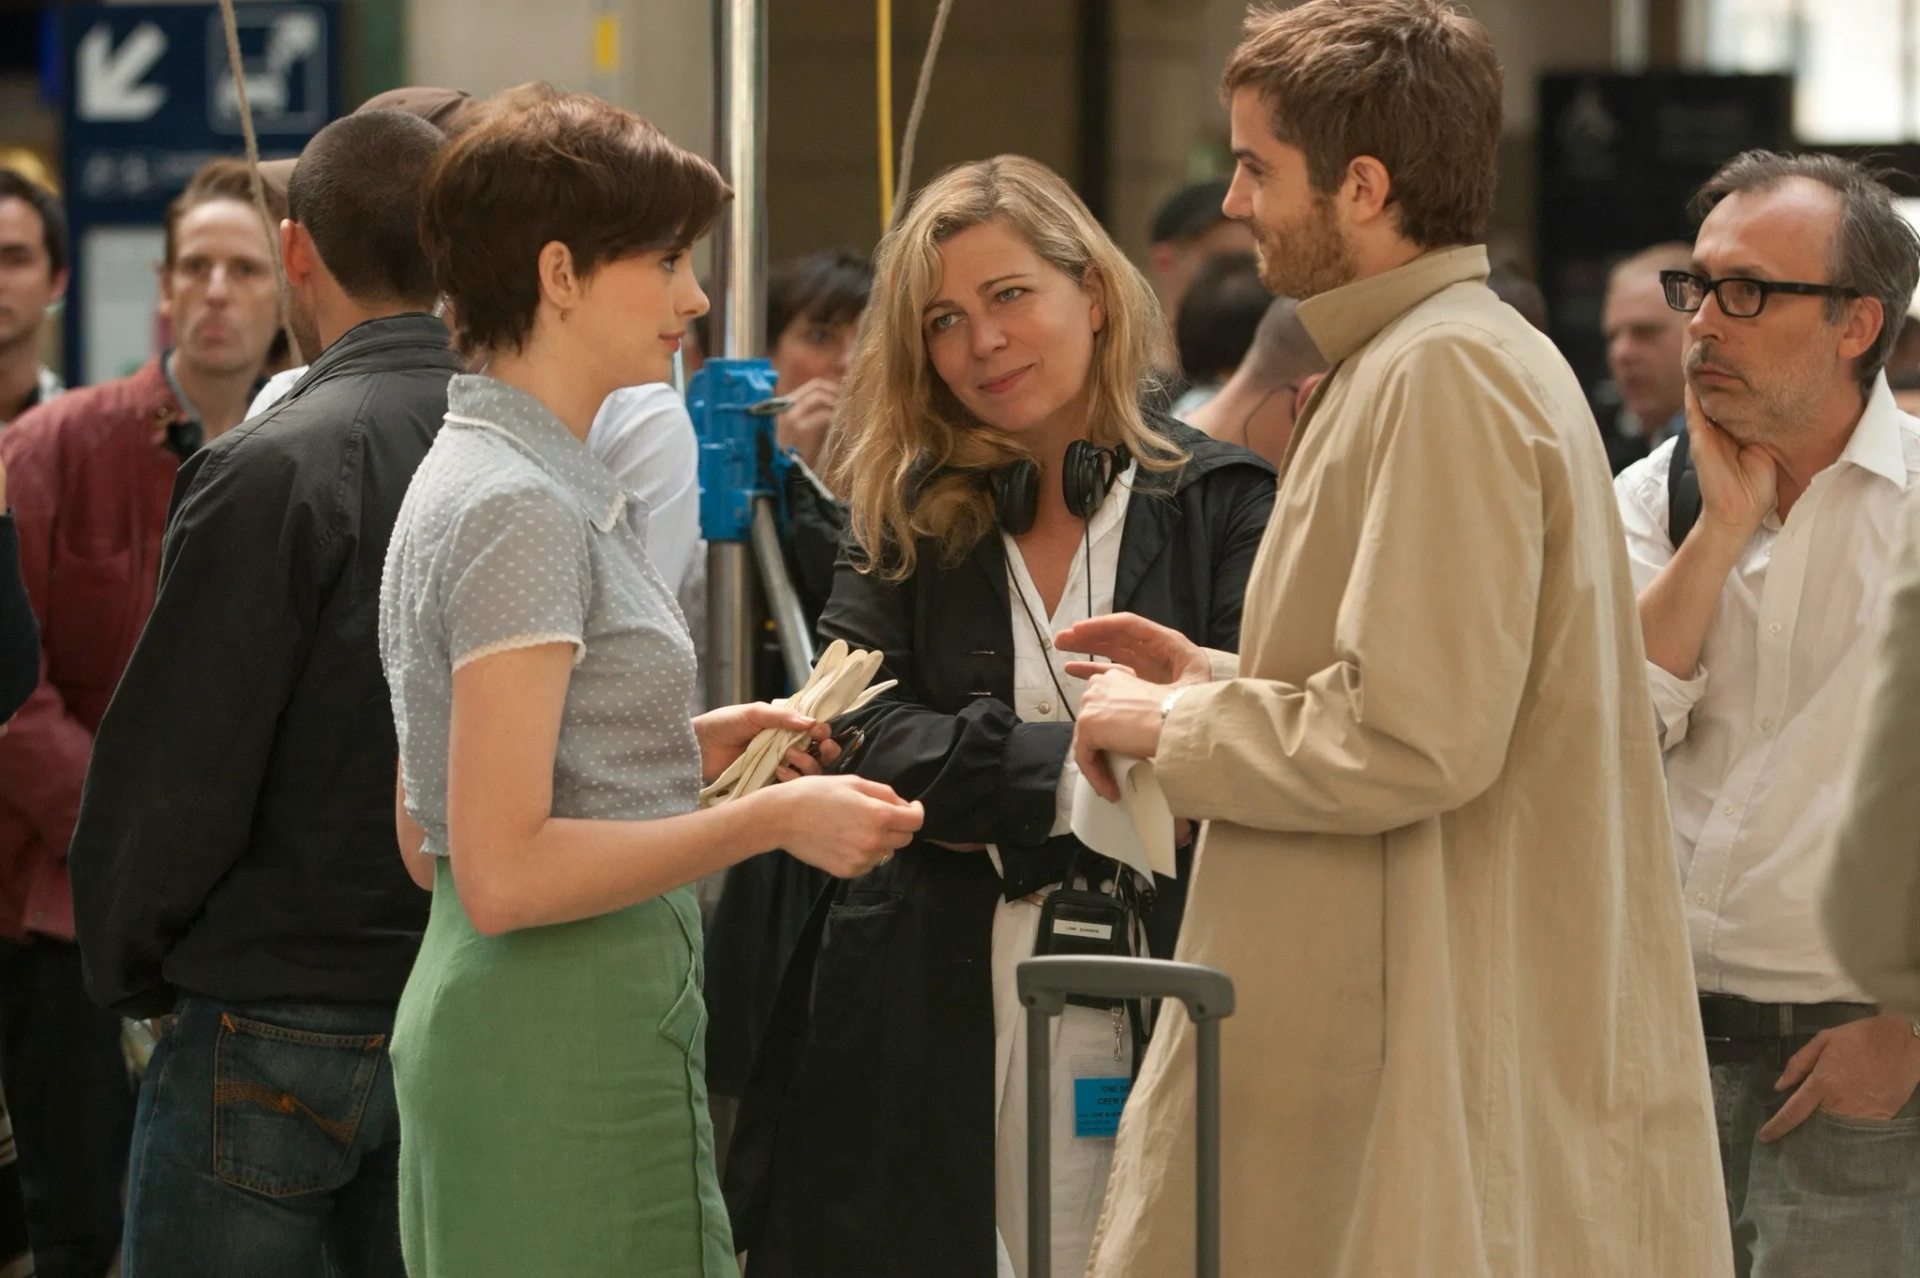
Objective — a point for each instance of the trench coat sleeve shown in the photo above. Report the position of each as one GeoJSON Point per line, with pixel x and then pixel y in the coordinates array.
{"type": "Point", "coordinates": [983, 775]}
{"type": "Point", "coordinates": [1435, 629]}
{"type": "Point", "coordinates": [1873, 896]}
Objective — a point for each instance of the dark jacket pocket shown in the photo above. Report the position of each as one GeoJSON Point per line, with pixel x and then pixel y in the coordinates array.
{"type": "Point", "coordinates": [287, 1105]}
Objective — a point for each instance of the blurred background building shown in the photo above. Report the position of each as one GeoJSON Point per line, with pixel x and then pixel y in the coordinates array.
{"type": "Point", "coordinates": [1615, 108]}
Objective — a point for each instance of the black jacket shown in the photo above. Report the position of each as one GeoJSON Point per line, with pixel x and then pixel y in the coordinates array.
{"type": "Point", "coordinates": [19, 635]}
{"type": "Point", "coordinates": [865, 1140]}
{"type": "Point", "coordinates": [766, 899]}
{"type": "Point", "coordinates": [236, 834]}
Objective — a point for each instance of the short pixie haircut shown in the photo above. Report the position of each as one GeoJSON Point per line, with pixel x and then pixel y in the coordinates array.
{"type": "Point", "coordinates": [541, 166]}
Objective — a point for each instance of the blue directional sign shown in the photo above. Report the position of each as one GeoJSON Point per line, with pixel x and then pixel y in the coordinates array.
{"type": "Point", "coordinates": [149, 98]}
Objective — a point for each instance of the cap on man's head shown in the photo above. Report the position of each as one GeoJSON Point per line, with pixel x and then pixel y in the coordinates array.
{"type": "Point", "coordinates": [452, 111]}
{"type": "Point", "coordinates": [1190, 211]}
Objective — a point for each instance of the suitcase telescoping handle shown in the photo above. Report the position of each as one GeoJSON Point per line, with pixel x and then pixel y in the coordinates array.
{"type": "Point", "coordinates": [1044, 984]}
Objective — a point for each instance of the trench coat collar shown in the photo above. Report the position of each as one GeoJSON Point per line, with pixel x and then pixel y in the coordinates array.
{"type": "Point", "coordinates": [1347, 318]}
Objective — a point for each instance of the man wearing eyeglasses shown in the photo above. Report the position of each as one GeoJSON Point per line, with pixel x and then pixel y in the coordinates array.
{"type": "Point", "coordinates": [1758, 627]}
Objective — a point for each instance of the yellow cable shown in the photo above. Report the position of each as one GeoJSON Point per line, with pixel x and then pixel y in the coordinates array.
{"type": "Point", "coordinates": [885, 60]}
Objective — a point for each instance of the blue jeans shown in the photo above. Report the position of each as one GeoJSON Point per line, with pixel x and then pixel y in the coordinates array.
{"type": "Point", "coordinates": [1834, 1198]}
{"type": "Point", "coordinates": [267, 1142]}
{"type": "Point", "coordinates": [72, 1104]}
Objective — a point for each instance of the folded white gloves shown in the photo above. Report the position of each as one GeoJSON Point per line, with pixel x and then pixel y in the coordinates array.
{"type": "Point", "coordinates": [837, 686]}
{"type": "Point", "coordinates": [1137, 831]}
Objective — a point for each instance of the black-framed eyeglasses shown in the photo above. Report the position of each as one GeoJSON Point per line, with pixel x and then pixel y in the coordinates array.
{"type": "Point", "coordinates": [1739, 297]}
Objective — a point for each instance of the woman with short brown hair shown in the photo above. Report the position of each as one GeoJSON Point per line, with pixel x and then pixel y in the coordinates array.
{"type": "Point", "coordinates": [548, 1048]}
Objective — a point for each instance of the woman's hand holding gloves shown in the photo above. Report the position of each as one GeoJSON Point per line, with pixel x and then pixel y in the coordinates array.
{"type": "Point", "coordinates": [843, 825]}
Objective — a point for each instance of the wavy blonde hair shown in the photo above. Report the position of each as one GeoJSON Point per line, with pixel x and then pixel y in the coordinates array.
{"type": "Point", "coordinates": [911, 458]}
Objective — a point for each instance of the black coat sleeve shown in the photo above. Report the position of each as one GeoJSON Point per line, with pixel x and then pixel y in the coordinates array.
{"type": "Point", "coordinates": [984, 776]}
{"type": "Point", "coordinates": [19, 635]}
{"type": "Point", "coordinates": [816, 527]}
{"type": "Point", "coordinates": [176, 768]}
{"type": "Point", "coordinates": [1247, 506]}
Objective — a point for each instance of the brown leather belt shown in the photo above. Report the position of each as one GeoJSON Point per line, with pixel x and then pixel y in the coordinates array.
{"type": "Point", "coordinates": [1726, 1019]}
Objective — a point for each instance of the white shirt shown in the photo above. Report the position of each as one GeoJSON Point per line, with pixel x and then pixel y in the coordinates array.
{"type": "Point", "coordinates": [1757, 741]}
{"type": "Point", "coordinates": [1082, 1034]}
{"type": "Point", "coordinates": [275, 389]}
{"type": "Point", "coordinates": [645, 437]}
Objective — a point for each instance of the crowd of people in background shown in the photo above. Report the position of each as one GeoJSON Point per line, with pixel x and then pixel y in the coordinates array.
{"type": "Point", "coordinates": [352, 737]}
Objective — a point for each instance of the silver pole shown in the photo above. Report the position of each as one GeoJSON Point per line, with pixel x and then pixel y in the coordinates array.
{"type": "Point", "coordinates": [1206, 1140]}
{"type": "Point", "coordinates": [790, 619]}
{"type": "Point", "coordinates": [729, 628]}
{"type": "Point", "coordinates": [1039, 1143]}
{"type": "Point", "coordinates": [1630, 35]}
{"type": "Point", "coordinates": [740, 41]}
{"type": "Point", "coordinates": [740, 247]}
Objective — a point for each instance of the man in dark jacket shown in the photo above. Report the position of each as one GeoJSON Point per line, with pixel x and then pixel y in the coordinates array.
{"type": "Point", "coordinates": [235, 867]}
{"type": "Point", "coordinates": [90, 473]}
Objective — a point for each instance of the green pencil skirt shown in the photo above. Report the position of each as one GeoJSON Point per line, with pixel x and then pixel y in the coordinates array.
{"type": "Point", "coordinates": [553, 1105]}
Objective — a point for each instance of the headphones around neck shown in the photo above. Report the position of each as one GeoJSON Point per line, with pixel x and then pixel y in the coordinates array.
{"type": "Point", "coordinates": [1088, 473]}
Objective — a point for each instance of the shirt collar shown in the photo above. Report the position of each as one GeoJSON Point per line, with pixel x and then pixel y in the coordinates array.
{"type": "Point", "coordinates": [1113, 508]}
{"type": "Point", "coordinates": [1347, 318]}
{"type": "Point", "coordinates": [186, 432]}
{"type": "Point", "coordinates": [1876, 443]}
{"type": "Point", "coordinates": [479, 401]}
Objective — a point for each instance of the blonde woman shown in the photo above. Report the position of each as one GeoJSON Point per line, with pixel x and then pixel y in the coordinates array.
{"type": "Point", "coordinates": [1004, 481]}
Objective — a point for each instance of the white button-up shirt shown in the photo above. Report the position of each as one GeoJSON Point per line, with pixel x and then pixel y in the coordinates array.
{"type": "Point", "coordinates": [1757, 742]}
{"type": "Point", "coordinates": [1079, 1166]}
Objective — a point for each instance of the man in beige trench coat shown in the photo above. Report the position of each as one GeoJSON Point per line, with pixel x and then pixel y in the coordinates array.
{"type": "Point", "coordinates": [1438, 865]}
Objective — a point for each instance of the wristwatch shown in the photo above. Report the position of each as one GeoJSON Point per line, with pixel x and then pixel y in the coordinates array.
{"type": "Point", "coordinates": [1166, 708]}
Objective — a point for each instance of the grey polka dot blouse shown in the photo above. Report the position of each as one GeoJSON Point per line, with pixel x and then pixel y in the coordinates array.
{"type": "Point", "coordinates": [512, 535]}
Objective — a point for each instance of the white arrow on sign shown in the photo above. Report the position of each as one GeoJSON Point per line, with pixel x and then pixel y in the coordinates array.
{"type": "Point", "coordinates": [108, 79]}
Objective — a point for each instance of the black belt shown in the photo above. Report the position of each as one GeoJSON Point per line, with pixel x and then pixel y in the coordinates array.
{"type": "Point", "coordinates": [1726, 1019]}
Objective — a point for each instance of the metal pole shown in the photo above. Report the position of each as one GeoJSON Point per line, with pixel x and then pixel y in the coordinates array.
{"type": "Point", "coordinates": [1630, 35]}
{"type": "Point", "coordinates": [790, 619]}
{"type": "Point", "coordinates": [1206, 1140]}
{"type": "Point", "coordinates": [1039, 1144]}
{"type": "Point", "coordinates": [740, 247]}
{"type": "Point", "coordinates": [740, 32]}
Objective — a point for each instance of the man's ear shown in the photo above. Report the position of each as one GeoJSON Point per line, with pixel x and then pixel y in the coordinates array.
{"type": "Point", "coordinates": [1865, 318]}
{"type": "Point", "coordinates": [297, 253]}
{"type": "Point", "coordinates": [1305, 391]}
{"type": "Point", "coordinates": [1367, 190]}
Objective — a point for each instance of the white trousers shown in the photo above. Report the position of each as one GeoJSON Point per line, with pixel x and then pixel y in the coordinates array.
{"type": "Point", "coordinates": [1084, 1044]}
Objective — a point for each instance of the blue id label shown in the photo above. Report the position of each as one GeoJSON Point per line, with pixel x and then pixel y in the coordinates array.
{"type": "Point", "coordinates": [1097, 1103]}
